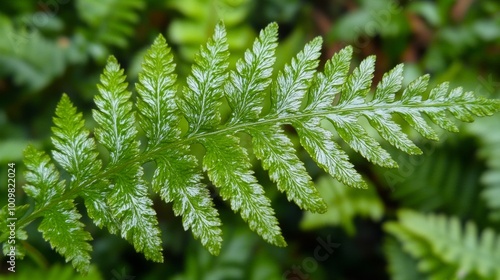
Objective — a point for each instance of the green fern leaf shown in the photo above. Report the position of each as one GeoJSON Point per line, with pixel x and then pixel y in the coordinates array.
{"type": "Point", "coordinates": [200, 102]}
{"type": "Point", "coordinates": [116, 193]}
{"type": "Point", "coordinates": [158, 115]}
{"type": "Point", "coordinates": [329, 83]}
{"type": "Point", "coordinates": [226, 163]}
{"type": "Point", "coordinates": [353, 95]}
{"type": "Point", "coordinates": [288, 91]}
{"type": "Point", "coordinates": [413, 95]}
{"type": "Point", "coordinates": [245, 91]}
{"type": "Point", "coordinates": [77, 154]}
{"type": "Point", "coordinates": [228, 167]}
{"type": "Point", "coordinates": [317, 141]}
{"type": "Point", "coordinates": [387, 128]}
{"type": "Point", "coordinates": [128, 199]}
{"type": "Point", "coordinates": [444, 239]}
{"type": "Point", "coordinates": [177, 178]}
{"type": "Point", "coordinates": [277, 153]}
{"type": "Point", "coordinates": [60, 224]}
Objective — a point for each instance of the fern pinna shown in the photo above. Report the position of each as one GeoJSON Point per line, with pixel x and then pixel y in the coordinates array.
{"type": "Point", "coordinates": [116, 194]}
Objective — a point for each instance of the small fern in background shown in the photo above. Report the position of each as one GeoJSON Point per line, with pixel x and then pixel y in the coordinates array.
{"type": "Point", "coordinates": [115, 191]}
{"type": "Point", "coordinates": [445, 249]}
{"type": "Point", "coordinates": [446, 179]}
{"type": "Point", "coordinates": [32, 60]}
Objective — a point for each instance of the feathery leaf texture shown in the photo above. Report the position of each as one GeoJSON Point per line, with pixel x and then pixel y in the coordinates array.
{"type": "Point", "coordinates": [114, 188]}
{"type": "Point", "coordinates": [60, 224]}
{"type": "Point", "coordinates": [77, 154]}
{"type": "Point", "coordinates": [128, 199]}
{"type": "Point", "coordinates": [177, 178]}
{"type": "Point", "coordinates": [436, 239]}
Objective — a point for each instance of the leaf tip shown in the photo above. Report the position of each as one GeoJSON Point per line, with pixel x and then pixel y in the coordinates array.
{"type": "Point", "coordinates": [321, 209]}
{"type": "Point", "coordinates": [160, 40]}
{"type": "Point", "coordinates": [112, 60]}
{"type": "Point", "coordinates": [214, 250]}
{"type": "Point", "coordinates": [280, 241]}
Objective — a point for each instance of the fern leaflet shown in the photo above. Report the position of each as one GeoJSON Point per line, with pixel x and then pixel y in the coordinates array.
{"type": "Point", "coordinates": [177, 178]}
{"type": "Point", "coordinates": [60, 224]}
{"type": "Point", "coordinates": [128, 199]}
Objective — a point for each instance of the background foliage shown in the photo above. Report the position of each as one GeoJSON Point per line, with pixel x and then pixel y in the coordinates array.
{"type": "Point", "coordinates": [50, 47]}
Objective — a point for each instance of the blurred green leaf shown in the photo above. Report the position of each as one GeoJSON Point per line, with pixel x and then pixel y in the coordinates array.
{"type": "Point", "coordinates": [344, 205]}
{"type": "Point", "coordinates": [29, 58]}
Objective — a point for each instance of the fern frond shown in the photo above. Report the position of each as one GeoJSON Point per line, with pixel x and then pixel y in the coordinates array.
{"type": "Point", "coordinates": [434, 238]}
{"type": "Point", "coordinates": [245, 93]}
{"type": "Point", "coordinates": [353, 94]}
{"type": "Point", "coordinates": [178, 179]}
{"type": "Point", "coordinates": [385, 126]}
{"type": "Point", "coordinates": [116, 192]}
{"type": "Point", "coordinates": [226, 163]}
{"type": "Point", "coordinates": [128, 200]}
{"type": "Point", "coordinates": [75, 152]}
{"type": "Point", "coordinates": [60, 224]}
